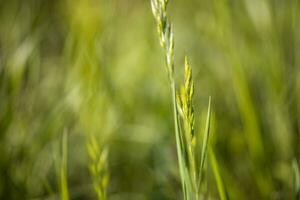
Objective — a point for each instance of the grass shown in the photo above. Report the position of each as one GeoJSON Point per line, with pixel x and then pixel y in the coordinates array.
{"type": "Point", "coordinates": [191, 170]}
{"type": "Point", "coordinates": [94, 68]}
{"type": "Point", "coordinates": [98, 168]}
{"type": "Point", "coordinates": [296, 179]}
{"type": "Point", "coordinates": [216, 171]}
{"type": "Point", "coordinates": [64, 191]}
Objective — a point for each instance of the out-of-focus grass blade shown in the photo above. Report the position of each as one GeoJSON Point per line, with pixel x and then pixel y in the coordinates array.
{"type": "Point", "coordinates": [296, 179]}
{"type": "Point", "coordinates": [215, 167]}
{"type": "Point", "coordinates": [63, 169]}
{"type": "Point", "coordinates": [205, 142]}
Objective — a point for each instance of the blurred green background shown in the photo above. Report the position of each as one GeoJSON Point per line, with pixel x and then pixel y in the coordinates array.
{"type": "Point", "coordinates": [95, 68]}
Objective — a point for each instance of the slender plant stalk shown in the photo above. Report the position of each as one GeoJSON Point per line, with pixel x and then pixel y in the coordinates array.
{"type": "Point", "coordinates": [186, 111]}
{"type": "Point", "coordinates": [205, 142]}
{"type": "Point", "coordinates": [63, 168]}
{"type": "Point", "coordinates": [217, 175]}
{"type": "Point", "coordinates": [183, 109]}
{"type": "Point", "coordinates": [166, 37]}
{"type": "Point", "coordinates": [296, 179]}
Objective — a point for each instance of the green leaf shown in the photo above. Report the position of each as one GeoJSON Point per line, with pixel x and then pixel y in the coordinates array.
{"type": "Point", "coordinates": [205, 142]}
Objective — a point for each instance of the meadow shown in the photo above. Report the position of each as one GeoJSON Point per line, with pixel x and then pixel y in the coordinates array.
{"type": "Point", "coordinates": [156, 99]}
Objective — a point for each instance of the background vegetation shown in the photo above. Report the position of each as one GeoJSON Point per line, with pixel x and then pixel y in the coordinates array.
{"type": "Point", "coordinates": [75, 75]}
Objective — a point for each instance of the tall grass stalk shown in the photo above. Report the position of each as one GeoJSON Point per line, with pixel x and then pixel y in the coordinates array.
{"type": "Point", "coordinates": [217, 175]}
{"type": "Point", "coordinates": [296, 179]}
{"type": "Point", "coordinates": [205, 141]}
{"type": "Point", "coordinates": [183, 110]}
{"type": "Point", "coordinates": [63, 169]}
{"type": "Point", "coordinates": [166, 37]}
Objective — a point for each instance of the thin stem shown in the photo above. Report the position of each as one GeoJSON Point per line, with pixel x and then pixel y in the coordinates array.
{"type": "Point", "coordinates": [178, 135]}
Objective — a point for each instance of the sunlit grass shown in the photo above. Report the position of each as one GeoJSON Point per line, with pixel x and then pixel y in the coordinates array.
{"type": "Point", "coordinates": [95, 69]}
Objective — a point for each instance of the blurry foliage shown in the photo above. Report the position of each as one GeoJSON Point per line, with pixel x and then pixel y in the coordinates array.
{"type": "Point", "coordinates": [95, 69]}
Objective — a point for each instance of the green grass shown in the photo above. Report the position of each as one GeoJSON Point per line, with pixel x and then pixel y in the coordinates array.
{"type": "Point", "coordinates": [95, 69]}
{"type": "Point", "coordinates": [98, 168]}
{"type": "Point", "coordinates": [296, 179]}
{"type": "Point", "coordinates": [183, 108]}
{"type": "Point", "coordinates": [64, 191]}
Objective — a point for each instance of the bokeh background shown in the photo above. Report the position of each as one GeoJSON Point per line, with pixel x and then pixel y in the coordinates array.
{"type": "Point", "coordinates": [95, 68]}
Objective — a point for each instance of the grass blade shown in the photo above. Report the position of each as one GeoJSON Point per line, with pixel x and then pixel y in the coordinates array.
{"type": "Point", "coordinates": [63, 168]}
{"type": "Point", "coordinates": [217, 175]}
{"type": "Point", "coordinates": [205, 142]}
{"type": "Point", "coordinates": [296, 179]}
